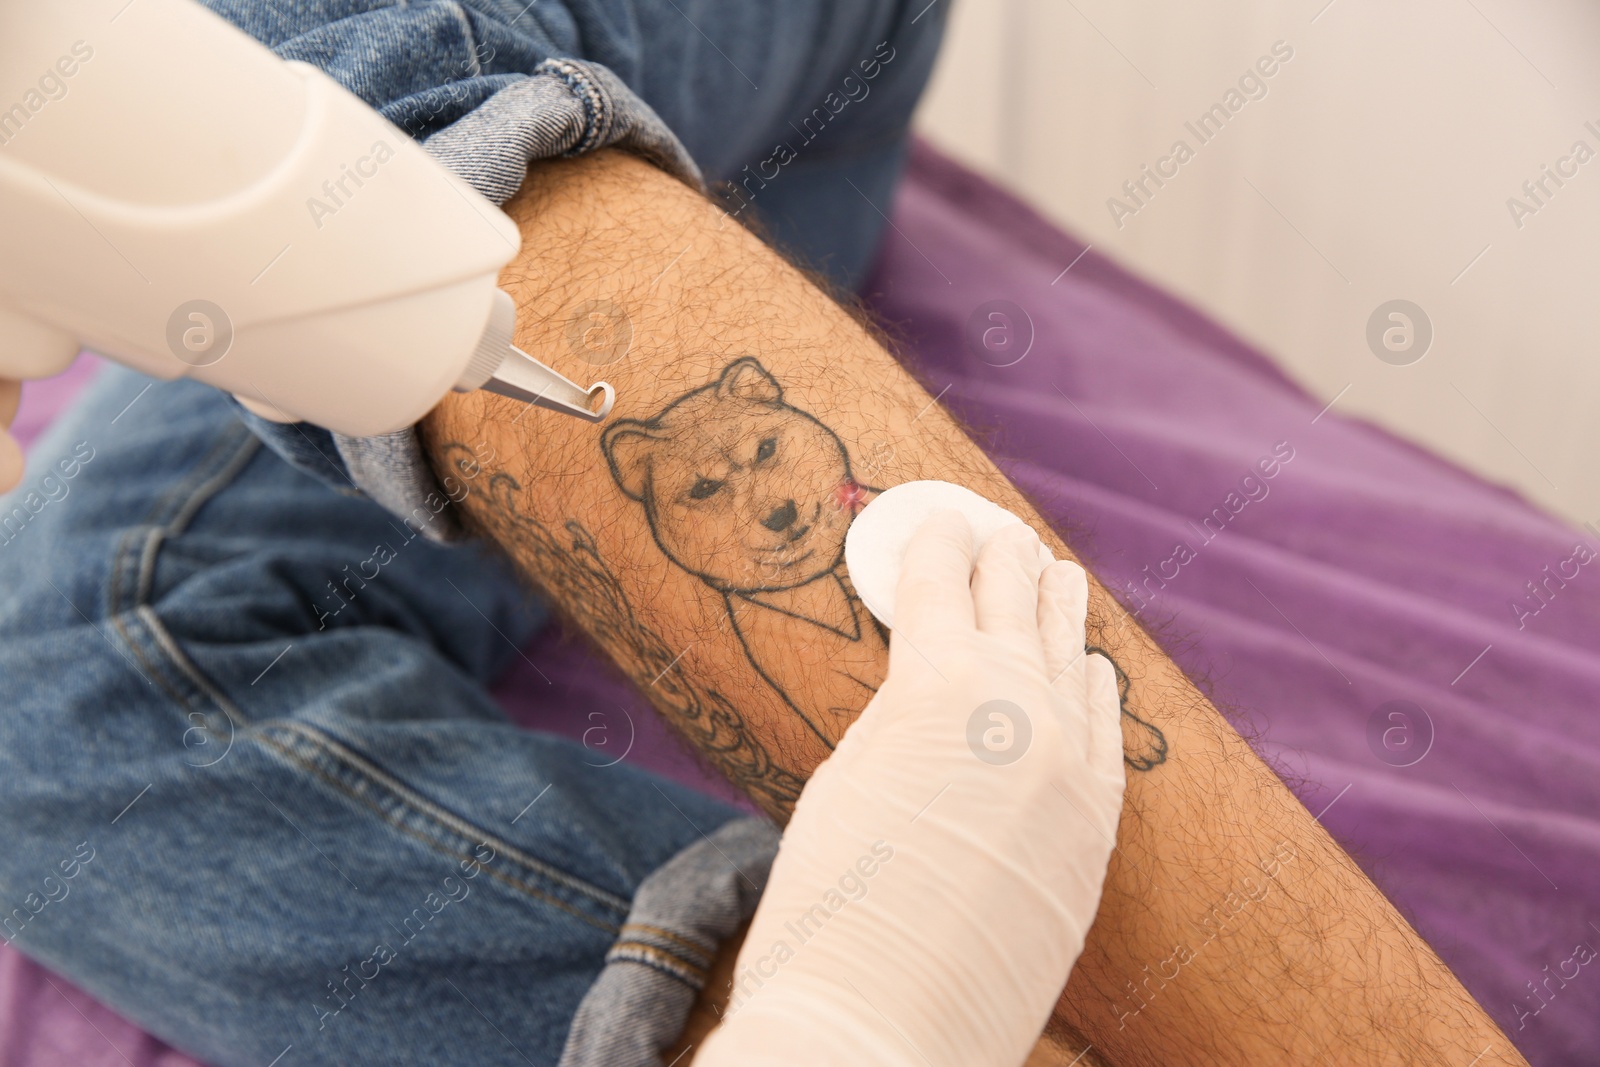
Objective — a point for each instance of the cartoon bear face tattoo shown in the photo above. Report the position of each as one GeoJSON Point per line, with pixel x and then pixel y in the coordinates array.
{"type": "Point", "coordinates": [739, 488]}
{"type": "Point", "coordinates": [753, 496]}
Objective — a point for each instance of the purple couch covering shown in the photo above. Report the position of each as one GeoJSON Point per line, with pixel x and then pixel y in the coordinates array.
{"type": "Point", "coordinates": [1370, 572]}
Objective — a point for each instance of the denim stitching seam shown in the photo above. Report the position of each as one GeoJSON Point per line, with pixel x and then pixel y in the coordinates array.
{"type": "Point", "coordinates": [657, 959]}
{"type": "Point", "coordinates": [597, 113]}
{"type": "Point", "coordinates": [433, 843]}
{"type": "Point", "coordinates": [363, 767]}
{"type": "Point", "coordinates": [174, 653]}
{"type": "Point", "coordinates": [180, 501]}
{"type": "Point", "coordinates": [169, 502]}
{"type": "Point", "coordinates": [669, 935]}
{"type": "Point", "coordinates": [311, 764]}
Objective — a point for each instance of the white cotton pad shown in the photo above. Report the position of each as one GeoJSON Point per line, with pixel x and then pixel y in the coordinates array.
{"type": "Point", "coordinates": [875, 544]}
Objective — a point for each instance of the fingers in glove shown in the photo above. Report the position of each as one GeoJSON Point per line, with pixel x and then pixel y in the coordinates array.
{"type": "Point", "coordinates": [1105, 718]}
{"type": "Point", "coordinates": [934, 593]}
{"type": "Point", "coordinates": [1005, 586]}
{"type": "Point", "coordinates": [1063, 607]}
{"type": "Point", "coordinates": [1063, 604]}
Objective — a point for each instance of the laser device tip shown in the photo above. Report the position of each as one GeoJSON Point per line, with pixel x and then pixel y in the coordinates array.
{"type": "Point", "coordinates": [521, 377]}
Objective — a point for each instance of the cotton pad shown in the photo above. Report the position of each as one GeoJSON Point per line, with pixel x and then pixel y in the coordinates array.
{"type": "Point", "coordinates": [875, 545]}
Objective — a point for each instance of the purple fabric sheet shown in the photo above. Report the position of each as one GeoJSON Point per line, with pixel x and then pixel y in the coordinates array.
{"type": "Point", "coordinates": [1364, 572]}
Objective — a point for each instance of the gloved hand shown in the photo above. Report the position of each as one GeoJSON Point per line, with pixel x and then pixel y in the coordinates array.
{"type": "Point", "coordinates": [945, 863]}
{"type": "Point", "coordinates": [10, 451]}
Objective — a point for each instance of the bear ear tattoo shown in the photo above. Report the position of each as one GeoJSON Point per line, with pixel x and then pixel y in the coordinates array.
{"type": "Point", "coordinates": [627, 444]}
{"type": "Point", "coordinates": [747, 379]}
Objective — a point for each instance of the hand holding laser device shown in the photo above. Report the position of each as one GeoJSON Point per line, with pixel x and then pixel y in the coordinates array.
{"type": "Point", "coordinates": [176, 197]}
{"type": "Point", "coordinates": [944, 865]}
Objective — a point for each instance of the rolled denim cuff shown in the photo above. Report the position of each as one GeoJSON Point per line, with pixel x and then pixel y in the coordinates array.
{"type": "Point", "coordinates": [681, 915]}
{"type": "Point", "coordinates": [566, 107]}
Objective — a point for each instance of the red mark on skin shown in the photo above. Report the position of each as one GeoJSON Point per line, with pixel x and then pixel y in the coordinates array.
{"type": "Point", "coordinates": [849, 496]}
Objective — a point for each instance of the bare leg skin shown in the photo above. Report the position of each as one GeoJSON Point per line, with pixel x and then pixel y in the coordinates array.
{"type": "Point", "coordinates": [696, 536]}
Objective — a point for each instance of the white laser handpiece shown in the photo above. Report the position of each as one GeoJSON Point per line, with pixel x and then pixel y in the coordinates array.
{"type": "Point", "coordinates": [175, 196]}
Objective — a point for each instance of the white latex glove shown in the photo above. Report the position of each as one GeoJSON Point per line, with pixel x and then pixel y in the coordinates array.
{"type": "Point", "coordinates": [943, 867]}
{"type": "Point", "coordinates": [10, 451]}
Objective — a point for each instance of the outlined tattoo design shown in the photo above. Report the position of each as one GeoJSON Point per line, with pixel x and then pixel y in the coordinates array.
{"type": "Point", "coordinates": [583, 585]}
{"type": "Point", "coordinates": [753, 496]}
{"type": "Point", "coordinates": [1144, 746]}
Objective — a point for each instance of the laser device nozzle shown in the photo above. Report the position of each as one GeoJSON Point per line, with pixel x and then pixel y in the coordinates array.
{"type": "Point", "coordinates": [504, 369]}
{"type": "Point", "coordinates": [521, 377]}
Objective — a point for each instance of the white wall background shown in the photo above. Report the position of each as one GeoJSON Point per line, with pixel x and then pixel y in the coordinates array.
{"type": "Point", "coordinates": [1377, 166]}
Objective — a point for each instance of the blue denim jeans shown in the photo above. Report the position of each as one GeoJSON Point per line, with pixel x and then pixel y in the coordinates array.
{"type": "Point", "coordinates": [315, 843]}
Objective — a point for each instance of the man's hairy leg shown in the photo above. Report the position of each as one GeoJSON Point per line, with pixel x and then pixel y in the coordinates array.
{"type": "Point", "coordinates": [696, 537]}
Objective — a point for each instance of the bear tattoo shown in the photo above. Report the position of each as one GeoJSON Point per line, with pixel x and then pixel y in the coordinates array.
{"type": "Point", "coordinates": [753, 496]}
